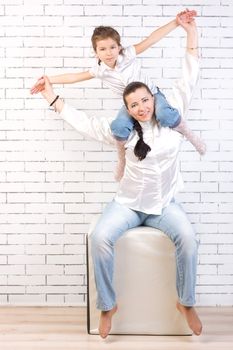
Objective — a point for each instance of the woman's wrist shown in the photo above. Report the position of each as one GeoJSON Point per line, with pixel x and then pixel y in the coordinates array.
{"type": "Point", "coordinates": [49, 96]}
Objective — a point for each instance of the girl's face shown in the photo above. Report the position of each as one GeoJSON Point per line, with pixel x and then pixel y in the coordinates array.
{"type": "Point", "coordinates": [140, 105]}
{"type": "Point", "coordinates": [107, 51]}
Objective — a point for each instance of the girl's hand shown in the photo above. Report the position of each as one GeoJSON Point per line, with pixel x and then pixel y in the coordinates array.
{"type": "Point", "coordinates": [39, 86]}
{"type": "Point", "coordinates": [186, 20]}
{"type": "Point", "coordinates": [186, 16]}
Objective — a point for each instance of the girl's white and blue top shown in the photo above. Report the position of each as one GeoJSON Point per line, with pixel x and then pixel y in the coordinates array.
{"type": "Point", "coordinates": [148, 185]}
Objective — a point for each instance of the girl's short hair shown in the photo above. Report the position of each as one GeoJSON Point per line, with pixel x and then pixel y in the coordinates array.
{"type": "Point", "coordinates": [103, 32]}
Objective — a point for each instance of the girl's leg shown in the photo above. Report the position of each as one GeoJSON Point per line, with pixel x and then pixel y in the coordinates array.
{"type": "Point", "coordinates": [121, 128]}
{"type": "Point", "coordinates": [192, 137]}
{"type": "Point", "coordinates": [166, 115]}
{"type": "Point", "coordinates": [175, 224]}
{"type": "Point", "coordinates": [169, 117]}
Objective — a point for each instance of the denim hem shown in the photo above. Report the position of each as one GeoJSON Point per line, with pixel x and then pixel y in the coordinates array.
{"type": "Point", "coordinates": [187, 304]}
{"type": "Point", "coordinates": [105, 308]}
{"type": "Point", "coordinates": [120, 138]}
{"type": "Point", "coordinates": [176, 123]}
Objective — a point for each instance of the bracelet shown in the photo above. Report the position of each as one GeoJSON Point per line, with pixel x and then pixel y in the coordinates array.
{"type": "Point", "coordinates": [54, 101]}
{"type": "Point", "coordinates": [192, 48]}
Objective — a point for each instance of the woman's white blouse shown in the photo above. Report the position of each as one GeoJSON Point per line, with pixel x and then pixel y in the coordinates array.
{"type": "Point", "coordinates": [148, 185]}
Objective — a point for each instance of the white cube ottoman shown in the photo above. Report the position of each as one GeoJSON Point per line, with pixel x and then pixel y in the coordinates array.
{"type": "Point", "coordinates": [145, 285]}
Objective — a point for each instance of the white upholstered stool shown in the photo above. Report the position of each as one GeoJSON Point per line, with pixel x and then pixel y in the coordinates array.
{"type": "Point", "coordinates": [145, 285]}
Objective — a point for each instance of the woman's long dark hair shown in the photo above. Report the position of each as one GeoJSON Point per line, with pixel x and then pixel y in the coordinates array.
{"type": "Point", "coordinates": [141, 148]}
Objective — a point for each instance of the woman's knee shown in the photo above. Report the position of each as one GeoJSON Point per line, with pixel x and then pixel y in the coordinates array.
{"type": "Point", "coordinates": [187, 241]}
{"type": "Point", "coordinates": [98, 239]}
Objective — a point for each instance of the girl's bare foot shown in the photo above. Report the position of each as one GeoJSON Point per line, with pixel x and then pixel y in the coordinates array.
{"type": "Point", "coordinates": [191, 316]}
{"type": "Point", "coordinates": [106, 322]}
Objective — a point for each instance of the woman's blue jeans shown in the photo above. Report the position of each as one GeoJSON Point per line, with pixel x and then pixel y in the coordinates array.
{"type": "Point", "coordinates": [115, 220]}
{"type": "Point", "coordinates": [166, 115]}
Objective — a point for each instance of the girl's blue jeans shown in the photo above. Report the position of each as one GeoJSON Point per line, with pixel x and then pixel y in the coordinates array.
{"type": "Point", "coordinates": [115, 220]}
{"type": "Point", "coordinates": [166, 115]}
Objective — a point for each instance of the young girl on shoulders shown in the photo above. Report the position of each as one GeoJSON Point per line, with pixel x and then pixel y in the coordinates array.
{"type": "Point", "coordinates": [117, 67]}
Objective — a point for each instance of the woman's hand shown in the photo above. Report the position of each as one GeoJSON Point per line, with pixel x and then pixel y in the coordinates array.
{"type": "Point", "coordinates": [47, 91]}
{"type": "Point", "coordinates": [49, 95]}
{"type": "Point", "coordinates": [192, 34]}
{"type": "Point", "coordinates": [186, 16]}
{"type": "Point", "coordinates": [38, 86]}
{"type": "Point", "coordinates": [186, 20]}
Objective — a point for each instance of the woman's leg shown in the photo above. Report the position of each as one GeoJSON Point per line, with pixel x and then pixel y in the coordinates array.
{"type": "Point", "coordinates": [114, 221]}
{"type": "Point", "coordinates": [174, 223]}
{"type": "Point", "coordinates": [121, 128]}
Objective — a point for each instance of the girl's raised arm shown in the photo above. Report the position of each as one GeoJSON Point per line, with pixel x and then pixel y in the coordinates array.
{"type": "Point", "coordinates": [161, 32]}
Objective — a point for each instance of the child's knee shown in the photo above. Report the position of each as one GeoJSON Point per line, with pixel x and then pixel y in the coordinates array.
{"type": "Point", "coordinates": [121, 131]}
{"type": "Point", "coordinates": [166, 115]}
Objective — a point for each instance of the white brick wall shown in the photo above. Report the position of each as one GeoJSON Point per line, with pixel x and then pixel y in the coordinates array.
{"type": "Point", "coordinates": [52, 181]}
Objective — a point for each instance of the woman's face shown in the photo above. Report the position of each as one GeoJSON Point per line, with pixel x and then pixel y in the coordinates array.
{"type": "Point", "coordinates": [140, 104]}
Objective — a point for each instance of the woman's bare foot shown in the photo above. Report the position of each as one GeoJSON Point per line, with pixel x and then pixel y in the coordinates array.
{"type": "Point", "coordinates": [106, 322]}
{"type": "Point", "coordinates": [191, 316]}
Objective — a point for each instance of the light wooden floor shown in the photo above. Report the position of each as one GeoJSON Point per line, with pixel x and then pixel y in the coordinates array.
{"type": "Point", "coordinates": [64, 328]}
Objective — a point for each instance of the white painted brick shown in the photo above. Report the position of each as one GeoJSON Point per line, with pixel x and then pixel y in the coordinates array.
{"type": "Point", "coordinates": [64, 280]}
{"type": "Point", "coordinates": [76, 228]}
{"type": "Point", "coordinates": [61, 218]}
{"type": "Point", "coordinates": [43, 208]}
{"type": "Point", "coordinates": [12, 269]}
{"type": "Point", "coordinates": [75, 269]}
{"type": "Point", "coordinates": [99, 10]}
{"type": "Point", "coordinates": [44, 269]}
{"type": "Point", "coordinates": [82, 187]}
{"type": "Point", "coordinates": [75, 299]}
{"type": "Point", "coordinates": [225, 249]}
{"type": "Point", "coordinates": [24, 218]}
{"type": "Point", "coordinates": [65, 259]}
{"type": "Point", "coordinates": [3, 280]}
{"type": "Point", "coordinates": [215, 259]}
{"type": "Point", "coordinates": [55, 299]}
{"type": "Point", "coordinates": [64, 239]}
{"type": "Point", "coordinates": [72, 249]}
{"type": "Point", "coordinates": [207, 270]}
{"type": "Point", "coordinates": [27, 299]}
{"type": "Point", "coordinates": [25, 280]}
{"type": "Point", "coordinates": [26, 239]}
{"type": "Point", "coordinates": [64, 10]}
{"type": "Point", "coordinates": [82, 208]}
{"type": "Point", "coordinates": [26, 197]}
{"type": "Point", "coordinates": [65, 197]}
{"type": "Point", "coordinates": [225, 269]}
{"type": "Point", "coordinates": [12, 289]}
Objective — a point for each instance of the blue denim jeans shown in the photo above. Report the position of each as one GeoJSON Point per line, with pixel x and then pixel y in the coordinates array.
{"type": "Point", "coordinates": [115, 220]}
{"type": "Point", "coordinates": [166, 115]}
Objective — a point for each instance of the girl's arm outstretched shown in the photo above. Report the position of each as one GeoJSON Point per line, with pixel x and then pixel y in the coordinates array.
{"type": "Point", "coordinates": [68, 78]}
{"type": "Point", "coordinates": [161, 32]}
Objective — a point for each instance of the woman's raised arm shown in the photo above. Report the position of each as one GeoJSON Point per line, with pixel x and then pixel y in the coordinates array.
{"type": "Point", "coordinates": [96, 128]}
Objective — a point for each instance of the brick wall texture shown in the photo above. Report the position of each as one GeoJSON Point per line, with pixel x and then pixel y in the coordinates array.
{"type": "Point", "coordinates": [52, 180]}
